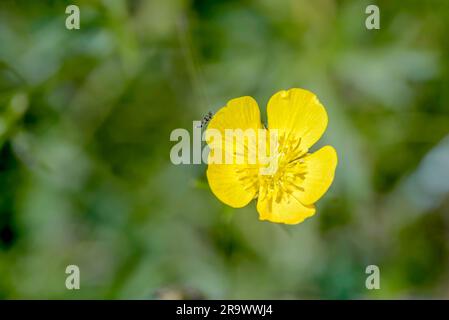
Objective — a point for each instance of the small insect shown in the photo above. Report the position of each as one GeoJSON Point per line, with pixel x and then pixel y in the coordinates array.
{"type": "Point", "coordinates": [205, 120]}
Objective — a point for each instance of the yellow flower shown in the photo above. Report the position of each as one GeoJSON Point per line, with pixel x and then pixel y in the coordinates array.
{"type": "Point", "coordinates": [286, 195]}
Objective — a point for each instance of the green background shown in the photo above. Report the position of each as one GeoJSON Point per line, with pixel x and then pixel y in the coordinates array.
{"type": "Point", "coordinates": [85, 173]}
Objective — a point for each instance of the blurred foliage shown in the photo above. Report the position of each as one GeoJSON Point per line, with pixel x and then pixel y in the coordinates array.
{"type": "Point", "coordinates": [85, 175]}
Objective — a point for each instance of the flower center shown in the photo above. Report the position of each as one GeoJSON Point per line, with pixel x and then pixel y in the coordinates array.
{"type": "Point", "coordinates": [289, 170]}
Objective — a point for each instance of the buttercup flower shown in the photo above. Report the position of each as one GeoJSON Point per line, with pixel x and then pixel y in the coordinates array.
{"type": "Point", "coordinates": [288, 193]}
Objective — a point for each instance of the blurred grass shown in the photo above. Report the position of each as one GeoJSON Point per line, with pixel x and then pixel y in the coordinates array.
{"type": "Point", "coordinates": [85, 176]}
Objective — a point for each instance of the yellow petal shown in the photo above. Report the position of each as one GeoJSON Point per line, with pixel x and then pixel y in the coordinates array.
{"type": "Point", "coordinates": [234, 184]}
{"type": "Point", "coordinates": [319, 174]}
{"type": "Point", "coordinates": [297, 111]}
{"type": "Point", "coordinates": [239, 113]}
{"type": "Point", "coordinates": [286, 210]}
